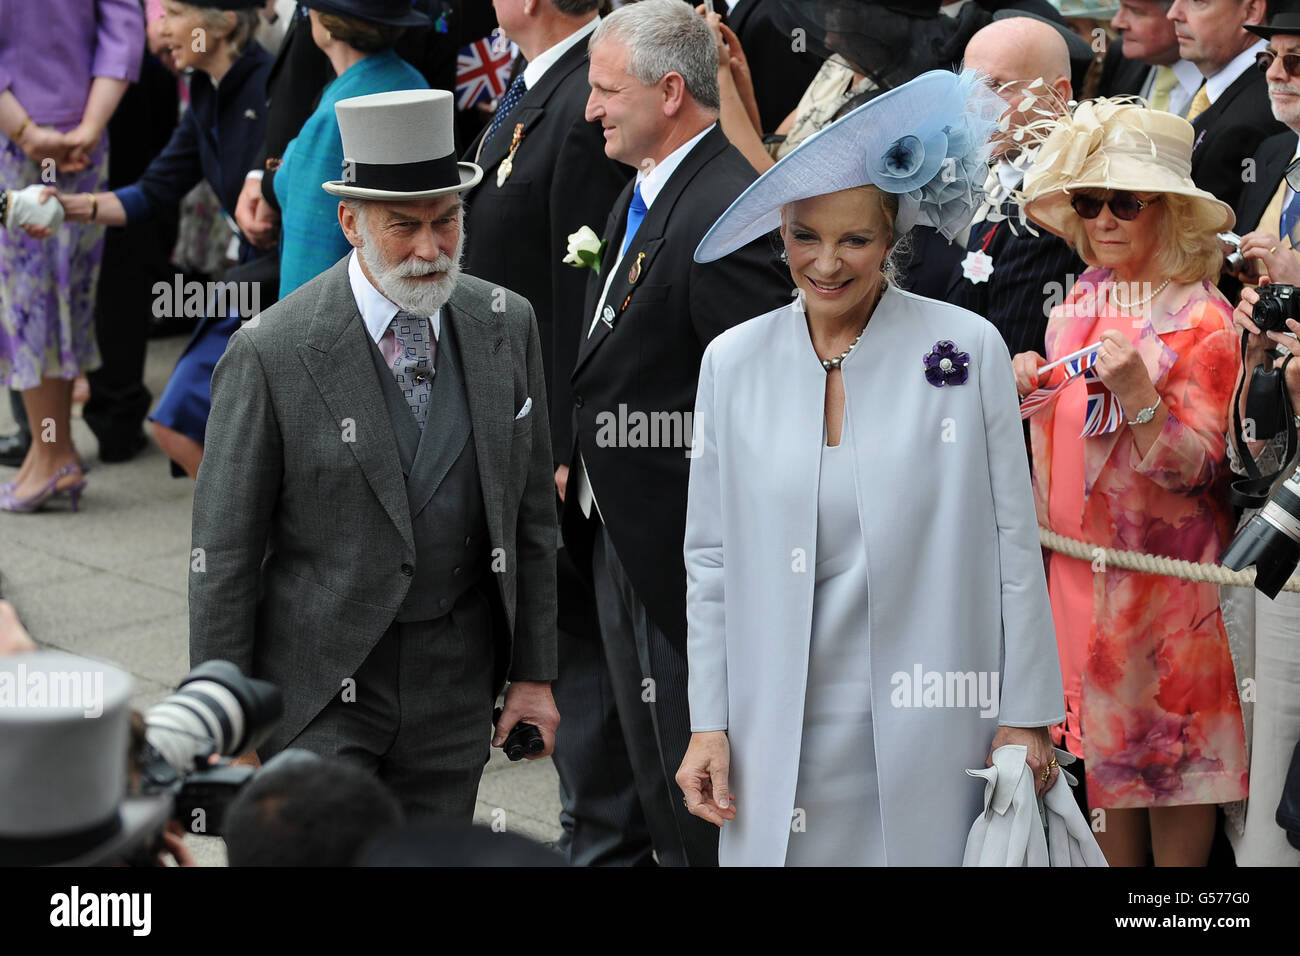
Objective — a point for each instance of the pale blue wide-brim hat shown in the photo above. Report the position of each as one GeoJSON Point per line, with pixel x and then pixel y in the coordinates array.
{"type": "Point", "coordinates": [926, 141]}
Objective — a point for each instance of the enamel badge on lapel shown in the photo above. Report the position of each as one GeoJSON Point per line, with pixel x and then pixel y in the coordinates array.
{"type": "Point", "coordinates": [607, 315]}
{"type": "Point", "coordinates": [508, 164]}
{"type": "Point", "coordinates": [635, 272]}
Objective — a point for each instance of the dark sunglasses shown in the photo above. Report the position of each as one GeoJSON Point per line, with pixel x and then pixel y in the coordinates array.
{"type": "Point", "coordinates": [1290, 62]}
{"type": "Point", "coordinates": [1124, 205]}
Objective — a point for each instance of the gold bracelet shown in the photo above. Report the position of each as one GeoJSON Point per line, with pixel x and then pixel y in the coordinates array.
{"type": "Point", "coordinates": [17, 135]}
{"type": "Point", "coordinates": [94, 207]}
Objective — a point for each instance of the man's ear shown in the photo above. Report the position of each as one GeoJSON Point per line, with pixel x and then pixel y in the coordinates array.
{"type": "Point", "coordinates": [1062, 86]}
{"type": "Point", "coordinates": [674, 93]}
{"type": "Point", "coordinates": [348, 223]}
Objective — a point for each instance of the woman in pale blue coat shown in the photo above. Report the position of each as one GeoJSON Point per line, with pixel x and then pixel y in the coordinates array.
{"type": "Point", "coordinates": [867, 610]}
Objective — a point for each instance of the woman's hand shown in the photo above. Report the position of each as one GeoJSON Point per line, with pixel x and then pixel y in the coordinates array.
{"type": "Point", "coordinates": [1121, 369]}
{"type": "Point", "coordinates": [81, 141]}
{"type": "Point", "coordinates": [1026, 366]}
{"type": "Point", "coordinates": [1040, 755]}
{"type": "Point", "coordinates": [1292, 345]}
{"type": "Point", "coordinates": [41, 143]}
{"type": "Point", "coordinates": [703, 777]}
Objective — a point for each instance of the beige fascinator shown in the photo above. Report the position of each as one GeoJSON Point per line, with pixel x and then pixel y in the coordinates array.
{"type": "Point", "coordinates": [1111, 144]}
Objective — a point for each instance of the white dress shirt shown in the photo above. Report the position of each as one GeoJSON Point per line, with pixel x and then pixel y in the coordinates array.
{"type": "Point", "coordinates": [1245, 60]}
{"type": "Point", "coordinates": [538, 66]}
{"type": "Point", "coordinates": [651, 183]}
{"type": "Point", "coordinates": [377, 311]}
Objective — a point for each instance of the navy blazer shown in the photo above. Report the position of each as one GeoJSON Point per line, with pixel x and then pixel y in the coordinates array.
{"type": "Point", "coordinates": [218, 139]}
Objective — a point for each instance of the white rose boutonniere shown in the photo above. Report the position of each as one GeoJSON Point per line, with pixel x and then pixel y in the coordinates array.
{"type": "Point", "coordinates": [585, 249]}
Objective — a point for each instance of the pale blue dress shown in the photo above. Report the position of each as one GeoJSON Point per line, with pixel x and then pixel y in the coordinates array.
{"type": "Point", "coordinates": [837, 789]}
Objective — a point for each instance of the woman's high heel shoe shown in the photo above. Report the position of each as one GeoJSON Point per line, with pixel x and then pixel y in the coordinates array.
{"type": "Point", "coordinates": [11, 502]}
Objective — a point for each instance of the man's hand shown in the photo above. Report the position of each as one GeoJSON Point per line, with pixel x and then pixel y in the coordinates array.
{"type": "Point", "coordinates": [1265, 256]}
{"type": "Point", "coordinates": [561, 479]}
{"type": "Point", "coordinates": [531, 702]}
{"type": "Point", "coordinates": [254, 216]}
{"type": "Point", "coordinates": [703, 777]}
{"type": "Point", "coordinates": [173, 836]}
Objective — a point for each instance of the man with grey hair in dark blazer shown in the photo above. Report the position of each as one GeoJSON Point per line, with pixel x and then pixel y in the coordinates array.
{"type": "Point", "coordinates": [374, 524]}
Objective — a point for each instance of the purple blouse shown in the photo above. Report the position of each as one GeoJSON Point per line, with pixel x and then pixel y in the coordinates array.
{"type": "Point", "coordinates": [49, 55]}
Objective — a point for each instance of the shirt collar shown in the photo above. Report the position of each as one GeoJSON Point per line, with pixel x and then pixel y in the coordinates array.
{"type": "Point", "coordinates": [652, 182]}
{"type": "Point", "coordinates": [377, 311]}
{"type": "Point", "coordinates": [537, 68]}
{"type": "Point", "coordinates": [1187, 75]}
{"type": "Point", "coordinates": [1239, 64]}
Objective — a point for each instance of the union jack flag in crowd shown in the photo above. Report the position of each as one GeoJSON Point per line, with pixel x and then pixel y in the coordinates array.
{"type": "Point", "coordinates": [1040, 398]}
{"type": "Point", "coordinates": [1105, 413]}
{"type": "Point", "coordinates": [482, 71]}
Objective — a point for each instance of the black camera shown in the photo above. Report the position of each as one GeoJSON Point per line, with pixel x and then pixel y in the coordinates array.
{"type": "Point", "coordinates": [1276, 304]}
{"type": "Point", "coordinates": [216, 710]}
{"type": "Point", "coordinates": [1270, 540]}
{"type": "Point", "coordinates": [524, 740]}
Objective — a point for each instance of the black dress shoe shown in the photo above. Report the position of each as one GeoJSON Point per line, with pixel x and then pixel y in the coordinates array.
{"type": "Point", "coordinates": [13, 449]}
{"type": "Point", "coordinates": [122, 451]}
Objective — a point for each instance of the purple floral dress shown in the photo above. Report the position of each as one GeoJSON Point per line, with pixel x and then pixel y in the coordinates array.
{"type": "Point", "coordinates": [47, 287]}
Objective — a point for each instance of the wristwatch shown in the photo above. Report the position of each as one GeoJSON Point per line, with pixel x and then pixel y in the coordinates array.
{"type": "Point", "coordinates": [1146, 414]}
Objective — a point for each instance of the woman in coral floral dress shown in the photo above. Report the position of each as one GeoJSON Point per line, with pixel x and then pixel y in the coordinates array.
{"type": "Point", "coordinates": [1151, 696]}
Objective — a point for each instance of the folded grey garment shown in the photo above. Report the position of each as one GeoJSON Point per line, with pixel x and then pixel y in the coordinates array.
{"type": "Point", "coordinates": [26, 209]}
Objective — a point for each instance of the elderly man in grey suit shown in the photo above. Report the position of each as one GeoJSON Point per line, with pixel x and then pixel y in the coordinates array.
{"type": "Point", "coordinates": [374, 526]}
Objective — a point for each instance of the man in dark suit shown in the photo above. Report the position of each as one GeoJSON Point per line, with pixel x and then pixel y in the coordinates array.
{"type": "Point", "coordinates": [1028, 271]}
{"type": "Point", "coordinates": [1230, 114]}
{"type": "Point", "coordinates": [1268, 212]}
{"type": "Point", "coordinates": [540, 186]}
{"type": "Point", "coordinates": [1144, 61]}
{"type": "Point", "coordinates": [374, 519]}
{"type": "Point", "coordinates": [650, 312]}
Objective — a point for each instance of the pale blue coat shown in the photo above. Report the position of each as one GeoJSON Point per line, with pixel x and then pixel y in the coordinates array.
{"type": "Point", "coordinates": [955, 575]}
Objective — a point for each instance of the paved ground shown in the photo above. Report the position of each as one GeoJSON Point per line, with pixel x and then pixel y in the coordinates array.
{"type": "Point", "coordinates": [110, 582]}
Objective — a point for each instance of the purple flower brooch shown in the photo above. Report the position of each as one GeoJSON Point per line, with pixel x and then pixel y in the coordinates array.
{"type": "Point", "coordinates": [944, 365]}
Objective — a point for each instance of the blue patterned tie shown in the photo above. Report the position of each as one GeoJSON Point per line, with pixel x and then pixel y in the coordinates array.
{"type": "Point", "coordinates": [636, 211]}
{"type": "Point", "coordinates": [1289, 215]}
{"type": "Point", "coordinates": [508, 102]}
{"type": "Point", "coordinates": [413, 367]}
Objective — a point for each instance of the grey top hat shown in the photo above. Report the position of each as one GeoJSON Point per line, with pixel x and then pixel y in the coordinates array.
{"type": "Point", "coordinates": [399, 146]}
{"type": "Point", "coordinates": [64, 732]}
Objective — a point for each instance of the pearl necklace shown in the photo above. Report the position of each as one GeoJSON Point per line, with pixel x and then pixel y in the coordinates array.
{"type": "Point", "coordinates": [834, 363]}
{"type": "Point", "coordinates": [1131, 305]}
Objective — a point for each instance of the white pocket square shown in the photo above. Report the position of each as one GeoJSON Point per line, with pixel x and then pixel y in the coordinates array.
{"type": "Point", "coordinates": [528, 407]}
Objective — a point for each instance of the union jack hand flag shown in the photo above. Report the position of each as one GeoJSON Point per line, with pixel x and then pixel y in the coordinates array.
{"type": "Point", "coordinates": [1105, 413]}
{"type": "Point", "coordinates": [1040, 398]}
{"type": "Point", "coordinates": [482, 71]}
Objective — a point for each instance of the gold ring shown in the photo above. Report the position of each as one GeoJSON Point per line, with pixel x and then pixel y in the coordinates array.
{"type": "Point", "coordinates": [1274, 249]}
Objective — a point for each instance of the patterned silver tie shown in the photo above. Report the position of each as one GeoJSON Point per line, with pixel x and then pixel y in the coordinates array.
{"type": "Point", "coordinates": [413, 367]}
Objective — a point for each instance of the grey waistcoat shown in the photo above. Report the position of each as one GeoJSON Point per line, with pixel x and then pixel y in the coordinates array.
{"type": "Point", "coordinates": [450, 526]}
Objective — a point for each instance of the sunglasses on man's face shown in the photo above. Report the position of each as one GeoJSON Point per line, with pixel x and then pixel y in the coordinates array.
{"type": "Point", "coordinates": [1290, 62]}
{"type": "Point", "coordinates": [1123, 205]}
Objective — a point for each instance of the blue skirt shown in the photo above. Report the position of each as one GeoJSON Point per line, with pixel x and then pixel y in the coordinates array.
{"type": "Point", "coordinates": [187, 399]}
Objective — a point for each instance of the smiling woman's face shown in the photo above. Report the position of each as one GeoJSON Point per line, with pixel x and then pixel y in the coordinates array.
{"type": "Point", "coordinates": [837, 244]}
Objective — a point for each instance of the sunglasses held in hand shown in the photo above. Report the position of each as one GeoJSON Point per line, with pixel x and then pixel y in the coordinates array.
{"type": "Point", "coordinates": [1124, 205]}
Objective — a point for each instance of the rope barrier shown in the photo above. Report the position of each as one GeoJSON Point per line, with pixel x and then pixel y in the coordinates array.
{"type": "Point", "coordinates": [1153, 564]}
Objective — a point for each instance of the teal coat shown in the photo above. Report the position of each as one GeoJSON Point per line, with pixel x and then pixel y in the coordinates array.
{"type": "Point", "coordinates": [310, 238]}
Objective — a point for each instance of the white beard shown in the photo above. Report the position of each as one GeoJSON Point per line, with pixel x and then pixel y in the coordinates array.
{"type": "Point", "coordinates": [394, 279]}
